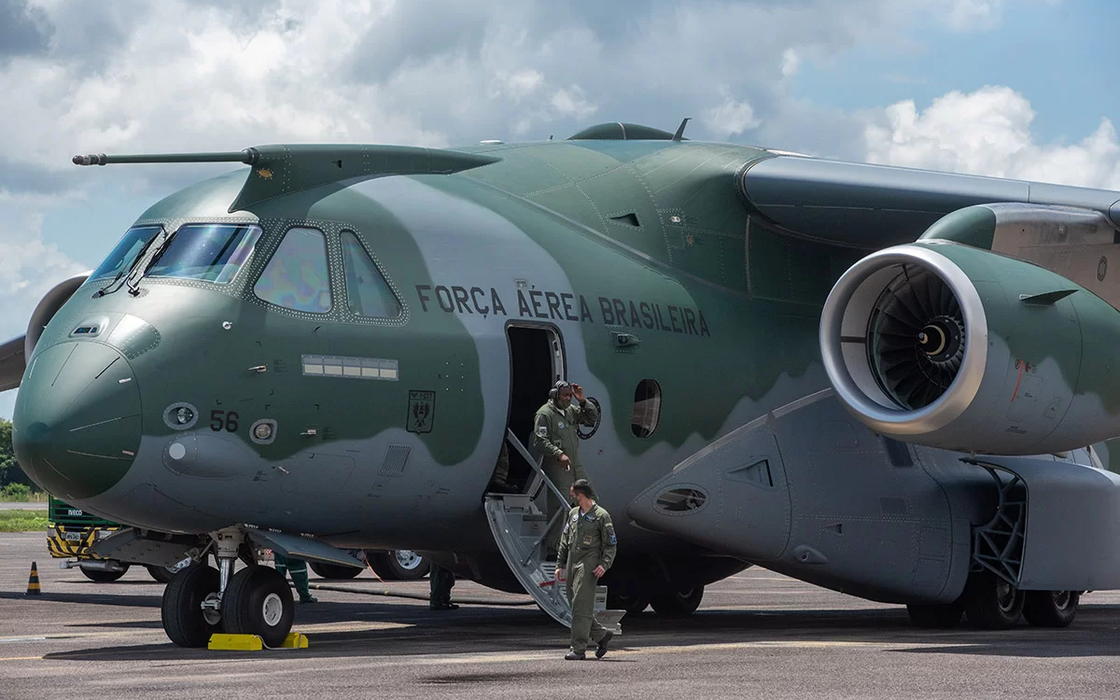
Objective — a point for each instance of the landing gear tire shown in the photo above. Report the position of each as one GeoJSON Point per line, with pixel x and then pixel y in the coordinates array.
{"type": "Point", "coordinates": [1051, 608]}
{"type": "Point", "coordinates": [946, 616]}
{"type": "Point", "coordinates": [160, 573]}
{"type": "Point", "coordinates": [399, 565]}
{"type": "Point", "coordinates": [104, 576]}
{"type": "Point", "coordinates": [990, 603]}
{"type": "Point", "coordinates": [633, 604]}
{"type": "Point", "coordinates": [258, 601]}
{"type": "Point", "coordinates": [678, 603]}
{"type": "Point", "coordinates": [184, 620]}
{"type": "Point", "coordinates": [335, 571]}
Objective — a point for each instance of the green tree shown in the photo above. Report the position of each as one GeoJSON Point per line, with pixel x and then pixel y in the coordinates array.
{"type": "Point", "coordinates": [10, 471]}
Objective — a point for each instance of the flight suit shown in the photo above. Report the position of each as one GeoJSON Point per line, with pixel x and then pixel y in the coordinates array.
{"type": "Point", "coordinates": [556, 432]}
{"type": "Point", "coordinates": [298, 570]}
{"type": "Point", "coordinates": [588, 541]}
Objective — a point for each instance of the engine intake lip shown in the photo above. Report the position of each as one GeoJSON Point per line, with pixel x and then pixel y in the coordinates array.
{"type": "Point", "coordinates": [844, 323]}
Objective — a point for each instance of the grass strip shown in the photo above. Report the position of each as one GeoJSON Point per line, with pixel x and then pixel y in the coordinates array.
{"type": "Point", "coordinates": [23, 520]}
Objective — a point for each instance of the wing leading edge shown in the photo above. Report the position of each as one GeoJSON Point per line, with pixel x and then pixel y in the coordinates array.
{"type": "Point", "coordinates": [873, 206]}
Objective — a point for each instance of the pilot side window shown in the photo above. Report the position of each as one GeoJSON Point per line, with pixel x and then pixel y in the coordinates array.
{"type": "Point", "coordinates": [646, 413]}
{"type": "Point", "coordinates": [296, 277]}
{"type": "Point", "coordinates": [367, 292]}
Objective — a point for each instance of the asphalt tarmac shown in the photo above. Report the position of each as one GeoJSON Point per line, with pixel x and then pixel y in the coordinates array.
{"type": "Point", "coordinates": [757, 635]}
{"type": "Point", "coordinates": [5, 505]}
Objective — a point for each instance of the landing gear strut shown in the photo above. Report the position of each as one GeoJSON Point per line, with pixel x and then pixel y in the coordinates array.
{"type": "Point", "coordinates": [200, 600]}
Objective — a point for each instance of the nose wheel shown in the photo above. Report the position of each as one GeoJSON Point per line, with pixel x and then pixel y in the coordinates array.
{"type": "Point", "coordinates": [200, 600]}
{"type": "Point", "coordinates": [185, 621]}
{"type": "Point", "coordinates": [258, 601]}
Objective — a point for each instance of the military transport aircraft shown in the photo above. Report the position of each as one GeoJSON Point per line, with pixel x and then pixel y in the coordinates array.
{"type": "Point", "coordinates": [879, 380]}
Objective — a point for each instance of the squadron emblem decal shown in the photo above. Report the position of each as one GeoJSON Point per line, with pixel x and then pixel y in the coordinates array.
{"type": "Point", "coordinates": [421, 411]}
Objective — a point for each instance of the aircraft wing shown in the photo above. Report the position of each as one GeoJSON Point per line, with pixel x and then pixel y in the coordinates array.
{"type": "Point", "coordinates": [873, 206]}
{"type": "Point", "coordinates": [11, 363]}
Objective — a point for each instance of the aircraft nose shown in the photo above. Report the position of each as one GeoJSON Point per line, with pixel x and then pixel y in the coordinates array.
{"type": "Point", "coordinates": [76, 424]}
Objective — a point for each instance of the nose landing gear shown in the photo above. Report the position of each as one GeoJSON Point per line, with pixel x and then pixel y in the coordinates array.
{"type": "Point", "coordinates": [200, 600]}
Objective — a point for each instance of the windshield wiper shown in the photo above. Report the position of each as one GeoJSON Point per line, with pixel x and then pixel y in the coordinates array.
{"type": "Point", "coordinates": [127, 273]}
{"type": "Point", "coordinates": [134, 284]}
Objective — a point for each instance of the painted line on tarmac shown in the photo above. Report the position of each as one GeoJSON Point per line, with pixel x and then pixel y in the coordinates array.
{"type": "Point", "coordinates": [21, 658]}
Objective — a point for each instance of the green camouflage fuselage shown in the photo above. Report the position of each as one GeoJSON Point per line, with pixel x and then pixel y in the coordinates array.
{"type": "Point", "coordinates": [593, 239]}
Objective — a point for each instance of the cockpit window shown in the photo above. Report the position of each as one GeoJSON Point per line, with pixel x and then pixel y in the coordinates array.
{"type": "Point", "coordinates": [209, 252]}
{"type": "Point", "coordinates": [296, 277]}
{"type": "Point", "coordinates": [126, 251]}
{"type": "Point", "coordinates": [366, 289]}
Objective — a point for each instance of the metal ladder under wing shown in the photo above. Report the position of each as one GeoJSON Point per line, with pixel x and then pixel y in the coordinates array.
{"type": "Point", "coordinates": [520, 523]}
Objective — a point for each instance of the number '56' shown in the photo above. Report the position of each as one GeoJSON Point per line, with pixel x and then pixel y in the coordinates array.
{"type": "Point", "coordinates": [220, 420]}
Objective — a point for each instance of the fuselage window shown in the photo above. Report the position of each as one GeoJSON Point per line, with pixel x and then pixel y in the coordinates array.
{"type": "Point", "coordinates": [647, 408]}
{"type": "Point", "coordinates": [126, 251]}
{"type": "Point", "coordinates": [209, 252]}
{"type": "Point", "coordinates": [366, 289]}
{"type": "Point", "coordinates": [296, 277]}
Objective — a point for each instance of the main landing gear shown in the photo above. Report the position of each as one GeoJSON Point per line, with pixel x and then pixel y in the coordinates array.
{"type": "Point", "coordinates": [990, 603]}
{"type": "Point", "coordinates": [200, 600]}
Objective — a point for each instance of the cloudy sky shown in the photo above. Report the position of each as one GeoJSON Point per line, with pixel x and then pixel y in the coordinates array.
{"type": "Point", "coordinates": [1015, 88]}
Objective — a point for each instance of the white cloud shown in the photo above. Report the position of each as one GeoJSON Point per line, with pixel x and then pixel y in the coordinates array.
{"type": "Point", "coordinates": [987, 132]}
{"type": "Point", "coordinates": [965, 15]}
{"type": "Point", "coordinates": [730, 118]}
{"type": "Point", "coordinates": [791, 62]}
{"type": "Point", "coordinates": [28, 268]}
{"type": "Point", "coordinates": [571, 101]}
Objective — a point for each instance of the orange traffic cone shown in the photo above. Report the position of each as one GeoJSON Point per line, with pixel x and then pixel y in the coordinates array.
{"type": "Point", "coordinates": [33, 582]}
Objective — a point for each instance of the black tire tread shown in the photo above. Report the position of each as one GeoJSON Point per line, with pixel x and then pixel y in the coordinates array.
{"type": "Point", "coordinates": [237, 617]}
{"type": "Point", "coordinates": [182, 620]}
{"type": "Point", "coordinates": [1039, 609]}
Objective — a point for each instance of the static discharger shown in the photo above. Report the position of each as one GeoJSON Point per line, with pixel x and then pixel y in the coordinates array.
{"type": "Point", "coordinates": [33, 581]}
{"type": "Point", "coordinates": [252, 642]}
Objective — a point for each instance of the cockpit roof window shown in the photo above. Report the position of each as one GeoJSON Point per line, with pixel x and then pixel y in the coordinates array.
{"type": "Point", "coordinates": [124, 254]}
{"type": "Point", "coordinates": [366, 289]}
{"type": "Point", "coordinates": [208, 252]}
{"type": "Point", "coordinates": [297, 276]}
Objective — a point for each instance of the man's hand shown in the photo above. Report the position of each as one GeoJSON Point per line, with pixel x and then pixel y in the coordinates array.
{"type": "Point", "coordinates": [565, 462]}
{"type": "Point", "coordinates": [577, 392]}
{"type": "Point", "coordinates": [560, 572]}
{"type": "Point", "coordinates": [599, 571]}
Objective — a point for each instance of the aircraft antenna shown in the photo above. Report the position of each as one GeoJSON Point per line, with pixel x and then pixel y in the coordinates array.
{"type": "Point", "coordinates": [680, 129]}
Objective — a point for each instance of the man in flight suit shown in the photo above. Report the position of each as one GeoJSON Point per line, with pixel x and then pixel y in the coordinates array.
{"type": "Point", "coordinates": [587, 549]}
{"type": "Point", "coordinates": [556, 438]}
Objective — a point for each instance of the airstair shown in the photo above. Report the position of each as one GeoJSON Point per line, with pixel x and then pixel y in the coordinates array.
{"type": "Point", "coordinates": [520, 523]}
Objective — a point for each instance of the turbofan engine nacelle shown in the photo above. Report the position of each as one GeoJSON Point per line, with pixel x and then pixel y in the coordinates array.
{"type": "Point", "coordinates": [47, 307]}
{"type": "Point", "coordinates": [951, 346]}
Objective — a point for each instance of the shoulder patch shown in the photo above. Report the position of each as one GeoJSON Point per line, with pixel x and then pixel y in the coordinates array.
{"type": "Point", "coordinates": [542, 426]}
{"type": "Point", "coordinates": [610, 535]}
